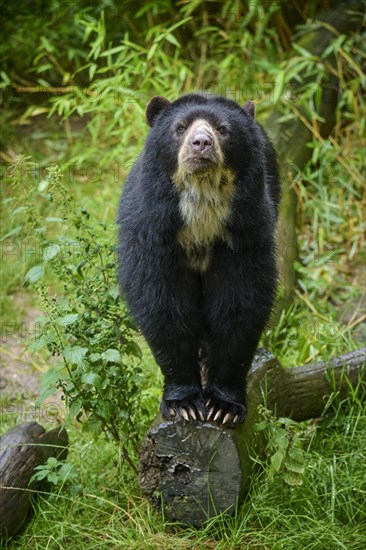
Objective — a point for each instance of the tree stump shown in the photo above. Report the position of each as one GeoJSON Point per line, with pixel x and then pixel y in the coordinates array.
{"type": "Point", "coordinates": [22, 449]}
{"type": "Point", "coordinates": [196, 470]}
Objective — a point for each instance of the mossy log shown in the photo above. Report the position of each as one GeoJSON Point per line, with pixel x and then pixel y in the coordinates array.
{"type": "Point", "coordinates": [196, 470]}
{"type": "Point", "coordinates": [22, 449]}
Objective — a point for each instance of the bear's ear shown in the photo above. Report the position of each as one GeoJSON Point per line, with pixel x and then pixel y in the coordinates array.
{"type": "Point", "coordinates": [154, 108]}
{"type": "Point", "coordinates": [249, 107]}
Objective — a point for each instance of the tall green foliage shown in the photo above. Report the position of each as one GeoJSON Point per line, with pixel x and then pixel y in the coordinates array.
{"type": "Point", "coordinates": [85, 324]}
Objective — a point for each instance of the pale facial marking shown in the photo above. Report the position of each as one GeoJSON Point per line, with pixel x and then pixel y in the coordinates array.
{"type": "Point", "coordinates": [186, 153]}
{"type": "Point", "coordinates": [205, 198]}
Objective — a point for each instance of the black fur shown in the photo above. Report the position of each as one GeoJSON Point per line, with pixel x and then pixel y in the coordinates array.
{"type": "Point", "coordinates": [224, 309]}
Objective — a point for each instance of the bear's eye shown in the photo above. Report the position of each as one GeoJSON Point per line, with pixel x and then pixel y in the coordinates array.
{"type": "Point", "coordinates": [180, 129]}
{"type": "Point", "coordinates": [222, 130]}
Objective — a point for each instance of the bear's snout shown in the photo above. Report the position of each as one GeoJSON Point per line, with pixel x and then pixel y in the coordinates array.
{"type": "Point", "coordinates": [201, 142]}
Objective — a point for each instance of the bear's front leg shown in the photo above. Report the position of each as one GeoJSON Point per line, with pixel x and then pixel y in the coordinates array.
{"type": "Point", "coordinates": [177, 356]}
{"type": "Point", "coordinates": [228, 363]}
{"type": "Point", "coordinates": [165, 301]}
{"type": "Point", "coordinates": [238, 294]}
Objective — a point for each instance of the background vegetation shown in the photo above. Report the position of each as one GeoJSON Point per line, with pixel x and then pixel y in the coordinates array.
{"type": "Point", "coordinates": [76, 77]}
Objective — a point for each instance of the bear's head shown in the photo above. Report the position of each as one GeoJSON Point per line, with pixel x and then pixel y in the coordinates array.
{"type": "Point", "coordinates": [201, 134]}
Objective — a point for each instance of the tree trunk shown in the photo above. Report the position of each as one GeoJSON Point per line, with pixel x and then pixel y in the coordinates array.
{"type": "Point", "coordinates": [196, 470]}
{"type": "Point", "coordinates": [290, 137]}
{"type": "Point", "coordinates": [22, 449]}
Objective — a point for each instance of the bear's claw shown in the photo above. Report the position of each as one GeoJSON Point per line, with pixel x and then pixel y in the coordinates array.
{"type": "Point", "coordinates": [229, 419]}
{"type": "Point", "coordinates": [183, 410]}
{"type": "Point", "coordinates": [184, 413]}
{"type": "Point", "coordinates": [224, 412]}
{"type": "Point", "coordinates": [227, 413]}
{"type": "Point", "coordinates": [210, 413]}
{"type": "Point", "coordinates": [217, 415]}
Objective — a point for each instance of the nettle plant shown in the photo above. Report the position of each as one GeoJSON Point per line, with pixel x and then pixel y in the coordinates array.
{"type": "Point", "coordinates": [85, 323]}
{"type": "Point", "coordinates": [284, 447]}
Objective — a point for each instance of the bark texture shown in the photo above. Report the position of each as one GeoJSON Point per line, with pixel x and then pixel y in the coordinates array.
{"type": "Point", "coordinates": [22, 449]}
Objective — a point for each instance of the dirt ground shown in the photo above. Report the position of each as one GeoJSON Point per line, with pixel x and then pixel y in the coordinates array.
{"type": "Point", "coordinates": [21, 371]}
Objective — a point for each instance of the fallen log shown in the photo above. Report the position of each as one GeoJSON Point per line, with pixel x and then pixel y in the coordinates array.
{"type": "Point", "coordinates": [196, 470]}
{"type": "Point", "coordinates": [22, 449]}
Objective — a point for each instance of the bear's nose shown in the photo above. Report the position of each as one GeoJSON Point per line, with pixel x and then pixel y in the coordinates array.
{"type": "Point", "coordinates": [201, 142]}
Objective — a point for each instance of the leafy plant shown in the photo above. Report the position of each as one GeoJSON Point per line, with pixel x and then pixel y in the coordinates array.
{"type": "Point", "coordinates": [55, 472]}
{"type": "Point", "coordinates": [87, 326]}
{"type": "Point", "coordinates": [284, 447]}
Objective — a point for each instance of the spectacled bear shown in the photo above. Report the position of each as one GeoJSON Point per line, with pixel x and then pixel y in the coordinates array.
{"type": "Point", "coordinates": [197, 250]}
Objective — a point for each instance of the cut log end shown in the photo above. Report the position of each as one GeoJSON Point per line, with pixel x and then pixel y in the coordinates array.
{"type": "Point", "coordinates": [192, 469]}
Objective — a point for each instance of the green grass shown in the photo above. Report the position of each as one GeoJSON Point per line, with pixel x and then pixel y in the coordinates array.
{"type": "Point", "coordinates": [327, 512]}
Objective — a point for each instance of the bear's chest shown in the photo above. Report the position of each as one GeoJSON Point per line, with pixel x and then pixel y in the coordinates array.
{"type": "Point", "coordinates": [205, 206]}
